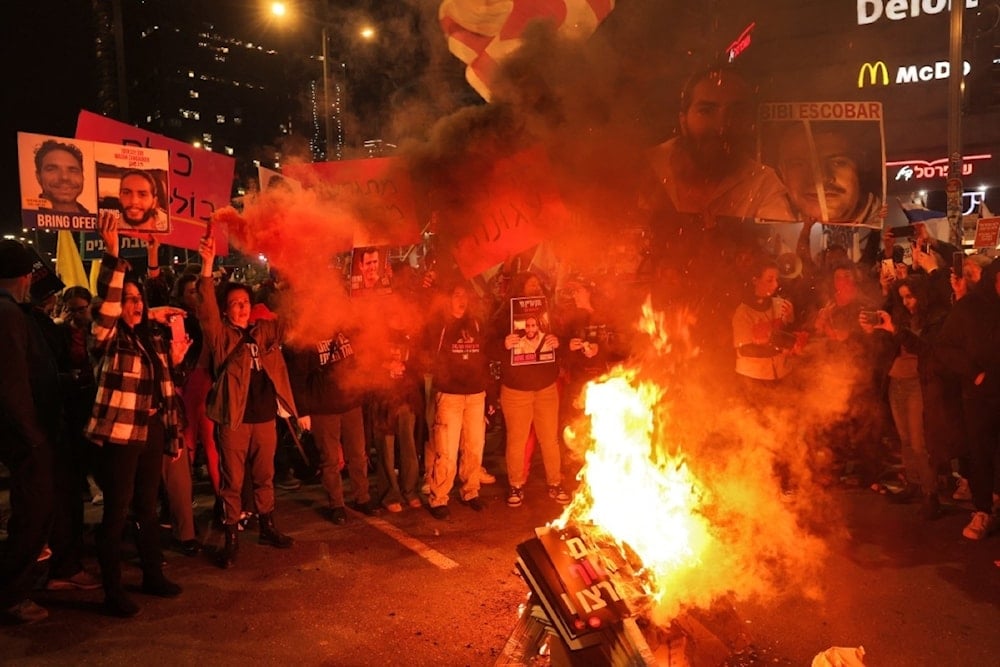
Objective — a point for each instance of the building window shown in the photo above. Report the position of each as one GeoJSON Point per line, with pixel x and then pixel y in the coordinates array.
{"type": "Point", "coordinates": [237, 120]}
{"type": "Point", "coordinates": [229, 150]}
{"type": "Point", "coordinates": [220, 119]}
{"type": "Point", "coordinates": [193, 94]}
{"type": "Point", "coordinates": [207, 137]}
{"type": "Point", "coordinates": [190, 74]}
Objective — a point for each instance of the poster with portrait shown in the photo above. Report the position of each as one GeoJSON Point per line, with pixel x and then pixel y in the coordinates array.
{"type": "Point", "coordinates": [830, 157]}
{"type": "Point", "coordinates": [132, 185]}
{"type": "Point", "coordinates": [371, 273]}
{"type": "Point", "coordinates": [529, 319]}
{"type": "Point", "coordinates": [58, 182]}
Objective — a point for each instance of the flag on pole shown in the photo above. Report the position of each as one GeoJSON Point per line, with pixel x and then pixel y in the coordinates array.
{"type": "Point", "coordinates": [936, 221]}
{"type": "Point", "coordinates": [69, 266]}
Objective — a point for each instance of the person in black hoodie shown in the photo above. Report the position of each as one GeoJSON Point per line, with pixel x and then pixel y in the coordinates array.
{"type": "Point", "coordinates": [457, 349]}
{"type": "Point", "coordinates": [967, 346]}
{"type": "Point", "coordinates": [321, 377]}
{"type": "Point", "coordinates": [528, 397]}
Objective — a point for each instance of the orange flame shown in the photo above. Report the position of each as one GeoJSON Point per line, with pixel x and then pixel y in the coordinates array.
{"type": "Point", "coordinates": [632, 493]}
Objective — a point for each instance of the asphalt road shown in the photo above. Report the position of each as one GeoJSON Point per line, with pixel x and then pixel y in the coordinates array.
{"type": "Point", "coordinates": [406, 589]}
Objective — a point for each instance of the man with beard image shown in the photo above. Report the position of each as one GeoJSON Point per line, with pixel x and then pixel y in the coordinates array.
{"type": "Point", "coordinates": [828, 176]}
{"type": "Point", "coordinates": [531, 342]}
{"type": "Point", "coordinates": [139, 198]}
{"type": "Point", "coordinates": [708, 168]}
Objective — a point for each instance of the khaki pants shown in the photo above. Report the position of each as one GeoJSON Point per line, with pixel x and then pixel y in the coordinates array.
{"type": "Point", "coordinates": [459, 433]}
{"type": "Point", "coordinates": [521, 409]}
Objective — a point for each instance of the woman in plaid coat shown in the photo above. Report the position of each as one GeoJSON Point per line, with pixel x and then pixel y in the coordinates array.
{"type": "Point", "coordinates": [136, 420]}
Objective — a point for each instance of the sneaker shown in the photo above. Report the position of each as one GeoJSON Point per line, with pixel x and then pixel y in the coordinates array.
{"type": "Point", "coordinates": [485, 477]}
{"type": "Point", "coordinates": [415, 503]}
{"type": "Point", "coordinates": [81, 581]}
{"type": "Point", "coordinates": [337, 515]}
{"type": "Point", "coordinates": [515, 497]}
{"type": "Point", "coordinates": [962, 490]}
{"type": "Point", "coordinates": [26, 611]}
{"type": "Point", "coordinates": [558, 494]}
{"type": "Point", "coordinates": [44, 554]}
{"type": "Point", "coordinates": [394, 507]}
{"type": "Point", "coordinates": [287, 481]}
{"type": "Point", "coordinates": [440, 512]}
{"type": "Point", "coordinates": [476, 504]}
{"type": "Point", "coordinates": [979, 527]}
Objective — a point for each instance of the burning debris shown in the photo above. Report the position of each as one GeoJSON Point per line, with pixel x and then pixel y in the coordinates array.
{"type": "Point", "coordinates": [655, 535]}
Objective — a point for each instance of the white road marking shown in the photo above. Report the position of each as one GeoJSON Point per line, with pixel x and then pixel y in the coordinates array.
{"type": "Point", "coordinates": [433, 556]}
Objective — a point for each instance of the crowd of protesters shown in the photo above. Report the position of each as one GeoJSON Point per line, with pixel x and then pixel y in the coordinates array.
{"type": "Point", "coordinates": [164, 374]}
{"type": "Point", "coordinates": [121, 397]}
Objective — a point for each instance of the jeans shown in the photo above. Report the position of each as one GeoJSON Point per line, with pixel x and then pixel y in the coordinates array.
{"type": "Point", "coordinates": [907, 405]}
{"type": "Point", "coordinates": [340, 436]}
{"type": "Point", "coordinates": [521, 410]}
{"type": "Point", "coordinates": [459, 433]}
{"type": "Point", "coordinates": [401, 486]}
{"type": "Point", "coordinates": [130, 477]}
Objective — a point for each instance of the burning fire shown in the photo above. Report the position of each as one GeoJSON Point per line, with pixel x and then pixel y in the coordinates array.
{"type": "Point", "coordinates": [630, 492]}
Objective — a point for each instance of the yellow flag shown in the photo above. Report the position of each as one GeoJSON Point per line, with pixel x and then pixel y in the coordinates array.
{"type": "Point", "coordinates": [69, 266]}
{"type": "Point", "coordinates": [95, 271]}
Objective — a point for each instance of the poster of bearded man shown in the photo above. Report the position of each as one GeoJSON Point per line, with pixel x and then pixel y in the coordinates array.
{"type": "Point", "coordinates": [133, 185]}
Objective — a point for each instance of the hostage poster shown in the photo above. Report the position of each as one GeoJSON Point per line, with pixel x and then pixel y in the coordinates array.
{"type": "Point", "coordinates": [58, 182]}
{"type": "Point", "coordinates": [132, 185]}
{"type": "Point", "coordinates": [529, 320]}
{"type": "Point", "coordinates": [830, 157]}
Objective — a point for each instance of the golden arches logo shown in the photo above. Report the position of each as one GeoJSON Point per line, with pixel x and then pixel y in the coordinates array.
{"type": "Point", "coordinates": [872, 70]}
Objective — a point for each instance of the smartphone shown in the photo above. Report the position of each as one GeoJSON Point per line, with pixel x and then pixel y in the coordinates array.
{"type": "Point", "coordinates": [903, 232]}
{"type": "Point", "coordinates": [957, 263]}
{"type": "Point", "coordinates": [888, 267]}
{"type": "Point", "coordinates": [871, 317]}
{"type": "Point", "coordinates": [177, 331]}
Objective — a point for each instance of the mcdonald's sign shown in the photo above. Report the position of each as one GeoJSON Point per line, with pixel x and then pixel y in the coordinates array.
{"type": "Point", "coordinates": [871, 70]}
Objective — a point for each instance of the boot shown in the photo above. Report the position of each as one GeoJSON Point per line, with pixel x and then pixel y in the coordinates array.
{"type": "Point", "coordinates": [269, 534]}
{"type": "Point", "coordinates": [227, 558]}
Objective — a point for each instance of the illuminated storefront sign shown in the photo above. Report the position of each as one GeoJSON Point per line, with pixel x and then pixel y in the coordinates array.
{"type": "Point", "coordinates": [871, 11]}
{"type": "Point", "coordinates": [907, 170]}
{"type": "Point", "coordinates": [876, 73]}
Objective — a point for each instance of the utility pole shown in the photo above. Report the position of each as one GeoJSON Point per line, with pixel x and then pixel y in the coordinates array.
{"type": "Point", "coordinates": [953, 186]}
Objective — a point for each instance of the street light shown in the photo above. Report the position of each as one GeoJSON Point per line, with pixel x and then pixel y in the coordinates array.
{"type": "Point", "coordinates": [279, 9]}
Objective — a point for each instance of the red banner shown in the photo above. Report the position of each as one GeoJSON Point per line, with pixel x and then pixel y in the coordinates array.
{"type": "Point", "coordinates": [372, 197]}
{"type": "Point", "coordinates": [516, 207]}
{"type": "Point", "coordinates": [200, 181]}
{"type": "Point", "coordinates": [987, 233]}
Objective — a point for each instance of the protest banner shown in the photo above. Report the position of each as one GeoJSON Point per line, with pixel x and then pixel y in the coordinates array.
{"type": "Point", "coordinates": [58, 182]}
{"type": "Point", "coordinates": [987, 233]}
{"type": "Point", "coordinates": [132, 184]}
{"type": "Point", "coordinates": [831, 158]}
{"type": "Point", "coordinates": [372, 197]}
{"type": "Point", "coordinates": [514, 207]}
{"type": "Point", "coordinates": [371, 272]}
{"type": "Point", "coordinates": [529, 319]}
{"type": "Point", "coordinates": [200, 180]}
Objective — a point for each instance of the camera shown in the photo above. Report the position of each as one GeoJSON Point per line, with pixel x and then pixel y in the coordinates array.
{"type": "Point", "coordinates": [871, 317]}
